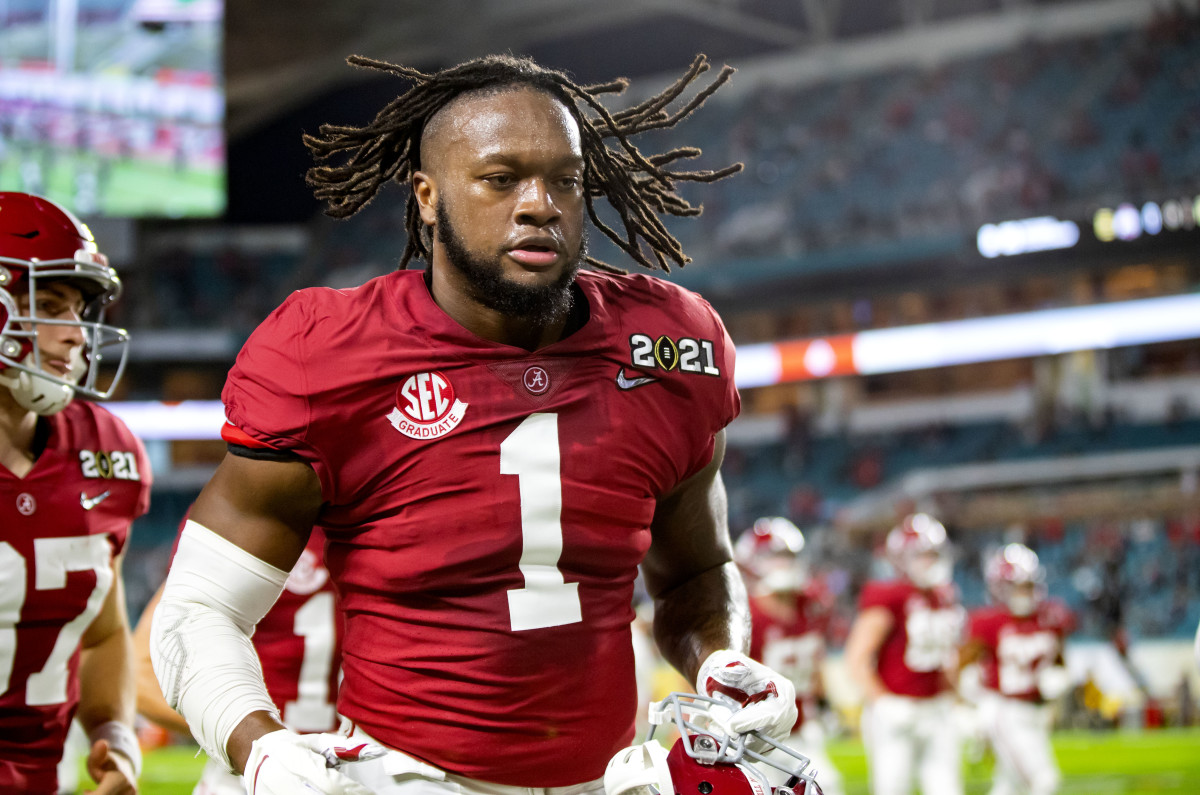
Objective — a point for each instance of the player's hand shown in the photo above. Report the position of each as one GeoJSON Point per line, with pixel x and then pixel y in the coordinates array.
{"type": "Point", "coordinates": [1053, 681]}
{"type": "Point", "coordinates": [284, 763]}
{"type": "Point", "coordinates": [112, 772]}
{"type": "Point", "coordinates": [767, 698]}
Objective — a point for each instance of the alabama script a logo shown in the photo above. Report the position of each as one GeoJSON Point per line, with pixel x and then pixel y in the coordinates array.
{"type": "Point", "coordinates": [426, 407]}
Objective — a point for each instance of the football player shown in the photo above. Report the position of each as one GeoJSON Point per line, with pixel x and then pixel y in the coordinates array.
{"type": "Point", "coordinates": [297, 645]}
{"type": "Point", "coordinates": [492, 446]}
{"type": "Point", "coordinates": [901, 648]}
{"type": "Point", "coordinates": [72, 480]}
{"type": "Point", "coordinates": [1018, 643]}
{"type": "Point", "coordinates": [790, 615]}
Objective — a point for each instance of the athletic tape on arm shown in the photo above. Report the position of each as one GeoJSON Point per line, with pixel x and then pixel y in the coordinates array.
{"type": "Point", "coordinates": [215, 594]}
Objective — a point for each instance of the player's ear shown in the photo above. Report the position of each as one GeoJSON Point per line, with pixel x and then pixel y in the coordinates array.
{"type": "Point", "coordinates": [425, 190]}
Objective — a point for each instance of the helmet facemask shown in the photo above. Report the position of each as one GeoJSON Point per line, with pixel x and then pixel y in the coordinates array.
{"type": "Point", "coordinates": [706, 751]}
{"type": "Point", "coordinates": [35, 387]}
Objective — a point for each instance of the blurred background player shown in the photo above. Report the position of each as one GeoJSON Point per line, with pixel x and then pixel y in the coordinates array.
{"type": "Point", "coordinates": [72, 480]}
{"type": "Point", "coordinates": [901, 646]}
{"type": "Point", "coordinates": [1018, 643]}
{"type": "Point", "coordinates": [298, 644]}
{"type": "Point", "coordinates": [790, 614]}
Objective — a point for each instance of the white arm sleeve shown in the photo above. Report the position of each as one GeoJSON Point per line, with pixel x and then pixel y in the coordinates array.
{"type": "Point", "coordinates": [215, 594]}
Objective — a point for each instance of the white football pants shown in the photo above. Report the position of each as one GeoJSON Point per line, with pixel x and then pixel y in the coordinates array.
{"type": "Point", "coordinates": [913, 737]}
{"type": "Point", "coordinates": [392, 775]}
{"type": "Point", "coordinates": [1019, 733]}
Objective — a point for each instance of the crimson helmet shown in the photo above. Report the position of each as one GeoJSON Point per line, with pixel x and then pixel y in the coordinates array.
{"type": "Point", "coordinates": [706, 758]}
{"type": "Point", "coordinates": [919, 550]}
{"type": "Point", "coordinates": [1015, 578]}
{"type": "Point", "coordinates": [41, 243]}
{"type": "Point", "coordinates": [769, 553]}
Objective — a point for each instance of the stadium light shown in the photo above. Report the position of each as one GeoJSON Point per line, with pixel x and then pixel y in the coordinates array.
{"type": "Point", "coordinates": [985, 339]}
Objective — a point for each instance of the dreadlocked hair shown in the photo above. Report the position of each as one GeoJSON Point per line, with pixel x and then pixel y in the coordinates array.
{"type": "Point", "coordinates": [639, 187]}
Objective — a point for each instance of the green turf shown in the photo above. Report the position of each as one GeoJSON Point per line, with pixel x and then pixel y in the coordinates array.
{"type": "Point", "coordinates": [1110, 763]}
{"type": "Point", "coordinates": [1115, 763]}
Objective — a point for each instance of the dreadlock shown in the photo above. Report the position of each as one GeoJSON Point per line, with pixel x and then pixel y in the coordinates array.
{"type": "Point", "coordinates": [639, 187]}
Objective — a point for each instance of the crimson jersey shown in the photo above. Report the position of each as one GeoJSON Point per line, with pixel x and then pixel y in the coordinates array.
{"type": "Point", "coordinates": [1016, 648]}
{"type": "Point", "coordinates": [793, 646]}
{"type": "Point", "coordinates": [60, 527]}
{"type": "Point", "coordinates": [926, 629]}
{"type": "Point", "coordinates": [486, 507]}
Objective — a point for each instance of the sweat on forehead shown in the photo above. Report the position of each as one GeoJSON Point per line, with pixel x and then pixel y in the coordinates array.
{"type": "Point", "coordinates": [459, 112]}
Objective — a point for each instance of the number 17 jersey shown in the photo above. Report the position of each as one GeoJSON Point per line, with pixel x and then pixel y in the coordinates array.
{"type": "Point", "coordinates": [486, 507]}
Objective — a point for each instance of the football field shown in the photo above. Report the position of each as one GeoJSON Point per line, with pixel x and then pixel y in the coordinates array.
{"type": "Point", "coordinates": [1109, 763]}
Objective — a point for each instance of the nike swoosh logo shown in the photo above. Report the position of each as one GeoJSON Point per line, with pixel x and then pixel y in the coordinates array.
{"type": "Point", "coordinates": [27, 235]}
{"type": "Point", "coordinates": [89, 503]}
{"type": "Point", "coordinates": [624, 382]}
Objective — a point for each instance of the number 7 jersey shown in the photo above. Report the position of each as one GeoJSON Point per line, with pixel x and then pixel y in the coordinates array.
{"type": "Point", "coordinates": [486, 507]}
{"type": "Point", "coordinates": [60, 528]}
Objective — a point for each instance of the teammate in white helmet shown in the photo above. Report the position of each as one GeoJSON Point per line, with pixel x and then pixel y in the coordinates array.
{"type": "Point", "coordinates": [72, 480]}
{"type": "Point", "coordinates": [790, 614]}
{"type": "Point", "coordinates": [1018, 643]}
{"type": "Point", "coordinates": [901, 647]}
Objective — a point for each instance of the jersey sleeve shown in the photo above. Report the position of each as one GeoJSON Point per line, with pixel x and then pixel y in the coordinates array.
{"type": "Point", "coordinates": [722, 398]}
{"type": "Point", "coordinates": [266, 395]}
{"type": "Point", "coordinates": [876, 594]}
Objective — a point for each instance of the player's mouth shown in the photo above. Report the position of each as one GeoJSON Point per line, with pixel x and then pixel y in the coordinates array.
{"type": "Point", "coordinates": [59, 367]}
{"type": "Point", "coordinates": [537, 252]}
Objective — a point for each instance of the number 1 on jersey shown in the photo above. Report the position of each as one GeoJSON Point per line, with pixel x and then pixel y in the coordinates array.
{"type": "Point", "coordinates": [531, 452]}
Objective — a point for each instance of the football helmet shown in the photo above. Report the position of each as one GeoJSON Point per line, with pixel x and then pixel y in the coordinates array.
{"type": "Point", "coordinates": [918, 549]}
{"type": "Point", "coordinates": [705, 759]}
{"type": "Point", "coordinates": [1015, 578]}
{"type": "Point", "coordinates": [43, 243]}
{"type": "Point", "coordinates": [769, 554]}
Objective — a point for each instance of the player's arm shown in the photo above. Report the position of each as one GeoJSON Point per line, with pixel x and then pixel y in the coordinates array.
{"type": "Point", "coordinates": [150, 701]}
{"type": "Point", "coordinates": [700, 602]}
{"type": "Point", "coordinates": [867, 635]}
{"type": "Point", "coordinates": [245, 532]}
{"type": "Point", "coordinates": [971, 651]}
{"type": "Point", "coordinates": [701, 613]}
{"type": "Point", "coordinates": [107, 694]}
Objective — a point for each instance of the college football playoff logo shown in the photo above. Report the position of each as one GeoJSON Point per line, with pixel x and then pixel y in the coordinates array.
{"type": "Point", "coordinates": [426, 407]}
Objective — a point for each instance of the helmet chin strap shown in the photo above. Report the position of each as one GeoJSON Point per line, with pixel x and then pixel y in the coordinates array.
{"type": "Point", "coordinates": [37, 393]}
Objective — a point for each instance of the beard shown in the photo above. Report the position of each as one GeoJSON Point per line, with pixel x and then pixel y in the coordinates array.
{"type": "Point", "coordinates": [540, 304]}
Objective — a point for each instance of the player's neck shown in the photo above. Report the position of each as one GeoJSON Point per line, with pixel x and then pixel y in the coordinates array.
{"type": "Point", "coordinates": [490, 324]}
{"type": "Point", "coordinates": [18, 428]}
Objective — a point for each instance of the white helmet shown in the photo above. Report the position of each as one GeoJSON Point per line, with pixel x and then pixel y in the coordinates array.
{"type": "Point", "coordinates": [1016, 578]}
{"type": "Point", "coordinates": [40, 243]}
{"type": "Point", "coordinates": [770, 555]}
{"type": "Point", "coordinates": [705, 760]}
{"type": "Point", "coordinates": [919, 549]}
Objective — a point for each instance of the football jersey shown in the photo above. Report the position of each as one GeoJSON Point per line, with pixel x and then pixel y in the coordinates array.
{"type": "Point", "coordinates": [486, 507]}
{"type": "Point", "coordinates": [297, 642]}
{"type": "Point", "coordinates": [927, 626]}
{"type": "Point", "coordinates": [60, 527]}
{"type": "Point", "coordinates": [794, 648]}
{"type": "Point", "coordinates": [1016, 648]}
